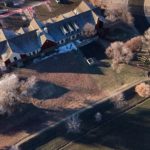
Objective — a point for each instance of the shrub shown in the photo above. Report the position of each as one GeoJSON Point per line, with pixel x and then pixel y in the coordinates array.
{"type": "Point", "coordinates": [98, 117]}
{"type": "Point", "coordinates": [89, 30]}
{"type": "Point", "coordinates": [14, 92]}
{"type": "Point", "coordinates": [73, 124]}
{"type": "Point", "coordinates": [143, 90]}
{"type": "Point", "coordinates": [121, 52]}
{"type": "Point", "coordinates": [134, 44]}
{"type": "Point", "coordinates": [119, 100]}
{"type": "Point", "coordinates": [122, 13]}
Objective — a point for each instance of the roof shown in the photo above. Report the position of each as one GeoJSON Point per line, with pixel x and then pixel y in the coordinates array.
{"type": "Point", "coordinates": [2, 35]}
{"type": "Point", "coordinates": [83, 7]}
{"type": "Point", "coordinates": [55, 29]}
{"type": "Point", "coordinates": [26, 40]}
{"type": "Point", "coordinates": [20, 31]}
{"type": "Point", "coordinates": [9, 33]}
{"type": "Point", "coordinates": [3, 47]}
{"type": "Point", "coordinates": [69, 14]}
{"type": "Point", "coordinates": [39, 26]}
{"type": "Point", "coordinates": [25, 43]}
{"type": "Point", "coordinates": [35, 24]}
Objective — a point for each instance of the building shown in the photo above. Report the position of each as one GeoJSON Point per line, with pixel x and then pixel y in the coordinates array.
{"type": "Point", "coordinates": [17, 46]}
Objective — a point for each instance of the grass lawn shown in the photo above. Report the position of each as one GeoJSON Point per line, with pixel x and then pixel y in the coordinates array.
{"type": "Point", "coordinates": [131, 131]}
{"type": "Point", "coordinates": [111, 80]}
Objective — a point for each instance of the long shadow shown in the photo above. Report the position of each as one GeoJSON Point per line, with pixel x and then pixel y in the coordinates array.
{"type": "Point", "coordinates": [47, 90]}
{"type": "Point", "coordinates": [140, 21]}
{"type": "Point", "coordinates": [131, 132]}
{"type": "Point", "coordinates": [71, 62]}
{"type": "Point", "coordinates": [30, 119]}
{"type": "Point", "coordinates": [95, 50]}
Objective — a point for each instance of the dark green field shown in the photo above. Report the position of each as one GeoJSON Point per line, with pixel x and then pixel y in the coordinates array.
{"type": "Point", "coordinates": [131, 131]}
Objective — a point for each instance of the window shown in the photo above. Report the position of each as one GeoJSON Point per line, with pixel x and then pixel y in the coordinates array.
{"type": "Point", "coordinates": [46, 30]}
{"type": "Point", "coordinates": [34, 53]}
{"type": "Point", "coordinates": [73, 37]}
{"type": "Point", "coordinates": [15, 59]}
{"type": "Point", "coordinates": [75, 26]}
{"type": "Point", "coordinates": [64, 30]}
{"type": "Point", "coordinates": [62, 41]}
{"type": "Point", "coordinates": [70, 28]}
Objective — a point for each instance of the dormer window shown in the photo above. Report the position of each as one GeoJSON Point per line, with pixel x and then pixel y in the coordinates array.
{"type": "Point", "coordinates": [70, 28]}
{"type": "Point", "coordinates": [46, 30]}
{"type": "Point", "coordinates": [38, 33]}
{"type": "Point", "coordinates": [75, 26]}
{"type": "Point", "coordinates": [64, 30]}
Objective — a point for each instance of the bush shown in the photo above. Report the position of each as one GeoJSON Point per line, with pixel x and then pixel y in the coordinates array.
{"type": "Point", "coordinates": [73, 124]}
{"type": "Point", "coordinates": [143, 90]}
{"type": "Point", "coordinates": [14, 92]}
{"type": "Point", "coordinates": [89, 30]}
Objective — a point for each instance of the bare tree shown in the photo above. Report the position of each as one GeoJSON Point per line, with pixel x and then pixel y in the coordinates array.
{"type": "Point", "coordinates": [143, 89]}
{"type": "Point", "coordinates": [114, 52]}
{"type": "Point", "coordinates": [119, 100]}
{"type": "Point", "coordinates": [121, 52]}
{"type": "Point", "coordinates": [97, 2]}
{"type": "Point", "coordinates": [113, 49]}
{"type": "Point", "coordinates": [28, 87]}
{"type": "Point", "coordinates": [122, 13]}
{"type": "Point", "coordinates": [14, 92]}
{"type": "Point", "coordinates": [134, 44]}
{"type": "Point", "coordinates": [73, 124]}
{"type": "Point", "coordinates": [126, 54]}
{"type": "Point", "coordinates": [89, 30]}
{"type": "Point", "coordinates": [144, 55]}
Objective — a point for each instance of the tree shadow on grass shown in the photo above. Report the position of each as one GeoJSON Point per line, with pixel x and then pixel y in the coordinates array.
{"type": "Point", "coordinates": [131, 131]}
{"type": "Point", "coordinates": [71, 62]}
{"type": "Point", "coordinates": [47, 90]}
{"type": "Point", "coordinates": [30, 119]}
{"type": "Point", "coordinates": [140, 21]}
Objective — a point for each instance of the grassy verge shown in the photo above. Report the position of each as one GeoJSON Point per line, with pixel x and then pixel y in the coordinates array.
{"type": "Point", "coordinates": [111, 80]}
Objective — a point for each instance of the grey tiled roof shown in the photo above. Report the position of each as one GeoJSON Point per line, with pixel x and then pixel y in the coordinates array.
{"type": "Point", "coordinates": [25, 43]}
{"type": "Point", "coordinates": [3, 47]}
{"type": "Point", "coordinates": [9, 33]}
{"type": "Point", "coordinates": [54, 29]}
